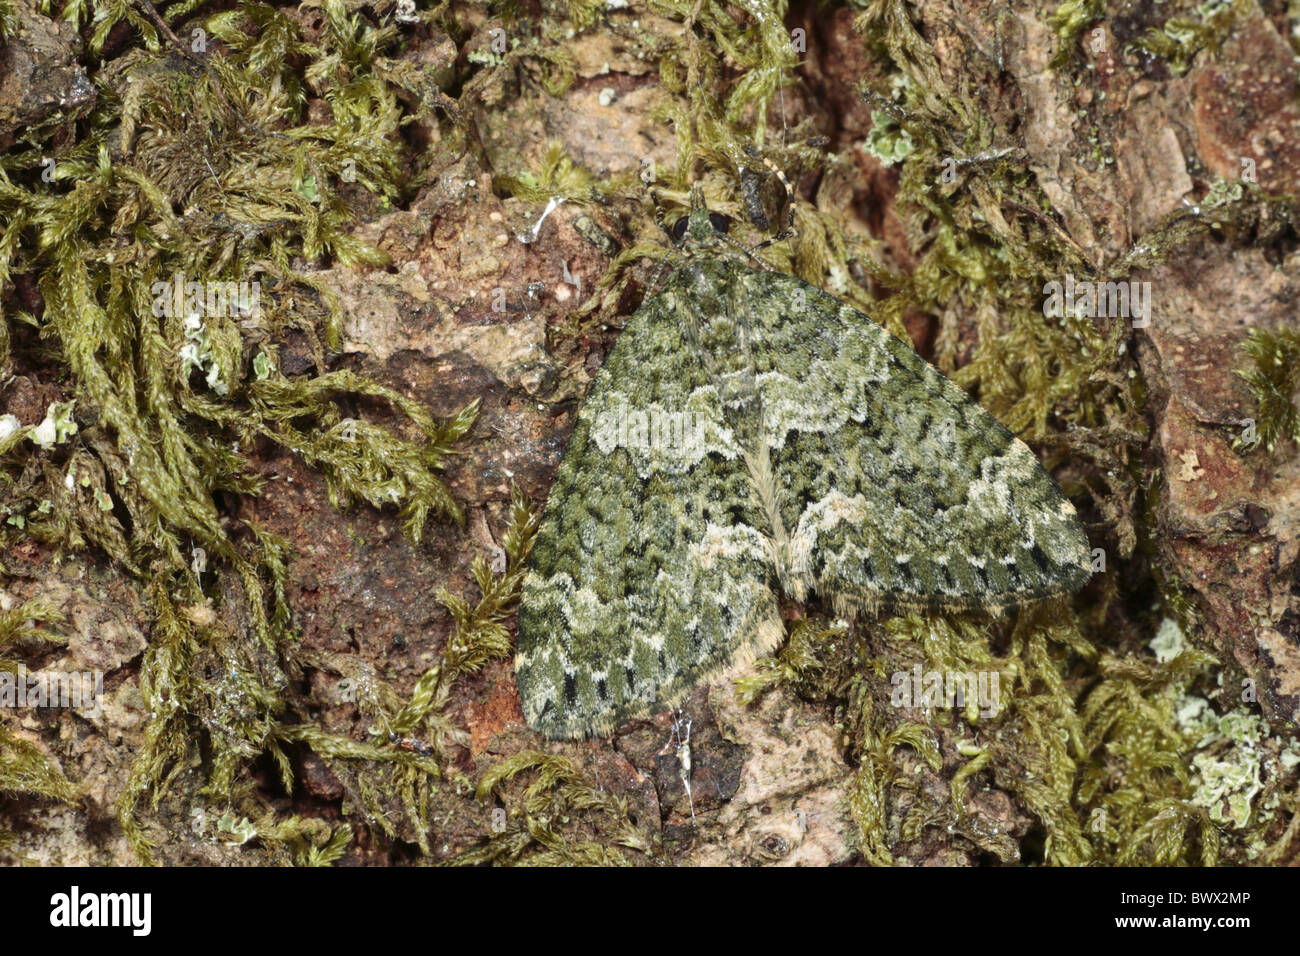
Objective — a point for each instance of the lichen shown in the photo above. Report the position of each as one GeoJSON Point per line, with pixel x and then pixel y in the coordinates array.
{"type": "Point", "coordinates": [888, 142]}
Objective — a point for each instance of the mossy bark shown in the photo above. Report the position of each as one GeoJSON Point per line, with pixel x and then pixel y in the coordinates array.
{"type": "Point", "coordinates": [950, 160]}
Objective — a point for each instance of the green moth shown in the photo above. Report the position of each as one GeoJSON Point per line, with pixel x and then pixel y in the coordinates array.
{"type": "Point", "coordinates": [748, 434]}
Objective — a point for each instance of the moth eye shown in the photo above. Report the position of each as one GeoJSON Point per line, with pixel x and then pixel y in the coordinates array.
{"type": "Point", "coordinates": [720, 222]}
{"type": "Point", "coordinates": [679, 228]}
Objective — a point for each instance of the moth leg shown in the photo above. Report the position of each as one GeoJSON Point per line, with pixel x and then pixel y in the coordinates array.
{"type": "Point", "coordinates": [659, 216]}
{"type": "Point", "coordinates": [789, 232]}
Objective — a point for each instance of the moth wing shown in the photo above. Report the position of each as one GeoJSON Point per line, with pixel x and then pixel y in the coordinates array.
{"type": "Point", "coordinates": [892, 484]}
{"type": "Point", "coordinates": [648, 573]}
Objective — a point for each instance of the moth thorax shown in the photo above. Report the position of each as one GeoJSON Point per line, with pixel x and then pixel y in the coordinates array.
{"type": "Point", "coordinates": [715, 323]}
{"type": "Point", "coordinates": [721, 335]}
{"type": "Point", "coordinates": [706, 284]}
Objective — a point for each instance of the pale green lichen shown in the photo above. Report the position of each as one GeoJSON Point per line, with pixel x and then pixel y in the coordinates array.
{"type": "Point", "coordinates": [1169, 641]}
{"type": "Point", "coordinates": [887, 141]}
{"type": "Point", "coordinates": [1228, 760]}
{"type": "Point", "coordinates": [56, 427]}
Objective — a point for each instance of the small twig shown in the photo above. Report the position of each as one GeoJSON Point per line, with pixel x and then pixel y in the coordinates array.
{"type": "Point", "coordinates": [682, 731]}
{"type": "Point", "coordinates": [1049, 223]}
{"type": "Point", "coordinates": [160, 23]}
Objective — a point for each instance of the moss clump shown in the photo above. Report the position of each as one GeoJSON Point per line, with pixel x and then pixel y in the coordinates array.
{"type": "Point", "coordinates": [558, 178]}
{"type": "Point", "coordinates": [292, 840]}
{"type": "Point", "coordinates": [801, 664]}
{"type": "Point", "coordinates": [24, 768]}
{"type": "Point", "coordinates": [533, 828]}
{"type": "Point", "coordinates": [1181, 38]}
{"type": "Point", "coordinates": [196, 175]}
{"type": "Point", "coordinates": [1067, 22]}
{"type": "Point", "coordinates": [1135, 787]}
{"type": "Point", "coordinates": [1274, 379]}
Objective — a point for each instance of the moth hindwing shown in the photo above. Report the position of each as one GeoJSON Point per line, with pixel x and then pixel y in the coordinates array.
{"type": "Point", "coordinates": [750, 433]}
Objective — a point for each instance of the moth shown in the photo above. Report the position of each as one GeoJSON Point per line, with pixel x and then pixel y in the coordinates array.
{"type": "Point", "coordinates": [750, 434]}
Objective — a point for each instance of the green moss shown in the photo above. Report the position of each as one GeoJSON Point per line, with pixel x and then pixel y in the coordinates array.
{"type": "Point", "coordinates": [1067, 22]}
{"type": "Point", "coordinates": [536, 828]}
{"type": "Point", "coordinates": [24, 624]}
{"type": "Point", "coordinates": [1181, 38]}
{"type": "Point", "coordinates": [479, 633]}
{"type": "Point", "coordinates": [803, 663]}
{"type": "Point", "coordinates": [1102, 762]}
{"type": "Point", "coordinates": [206, 168]}
{"type": "Point", "coordinates": [25, 769]}
{"type": "Point", "coordinates": [293, 840]}
{"type": "Point", "coordinates": [411, 739]}
{"type": "Point", "coordinates": [557, 178]}
{"type": "Point", "coordinates": [8, 18]}
{"type": "Point", "coordinates": [1274, 379]}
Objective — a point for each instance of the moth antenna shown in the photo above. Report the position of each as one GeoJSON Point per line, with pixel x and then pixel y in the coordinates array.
{"type": "Point", "coordinates": [749, 251]}
{"type": "Point", "coordinates": [659, 215]}
{"type": "Point", "coordinates": [658, 207]}
{"type": "Point", "coordinates": [657, 277]}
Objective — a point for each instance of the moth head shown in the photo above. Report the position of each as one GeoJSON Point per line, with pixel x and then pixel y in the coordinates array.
{"type": "Point", "coordinates": [700, 226]}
